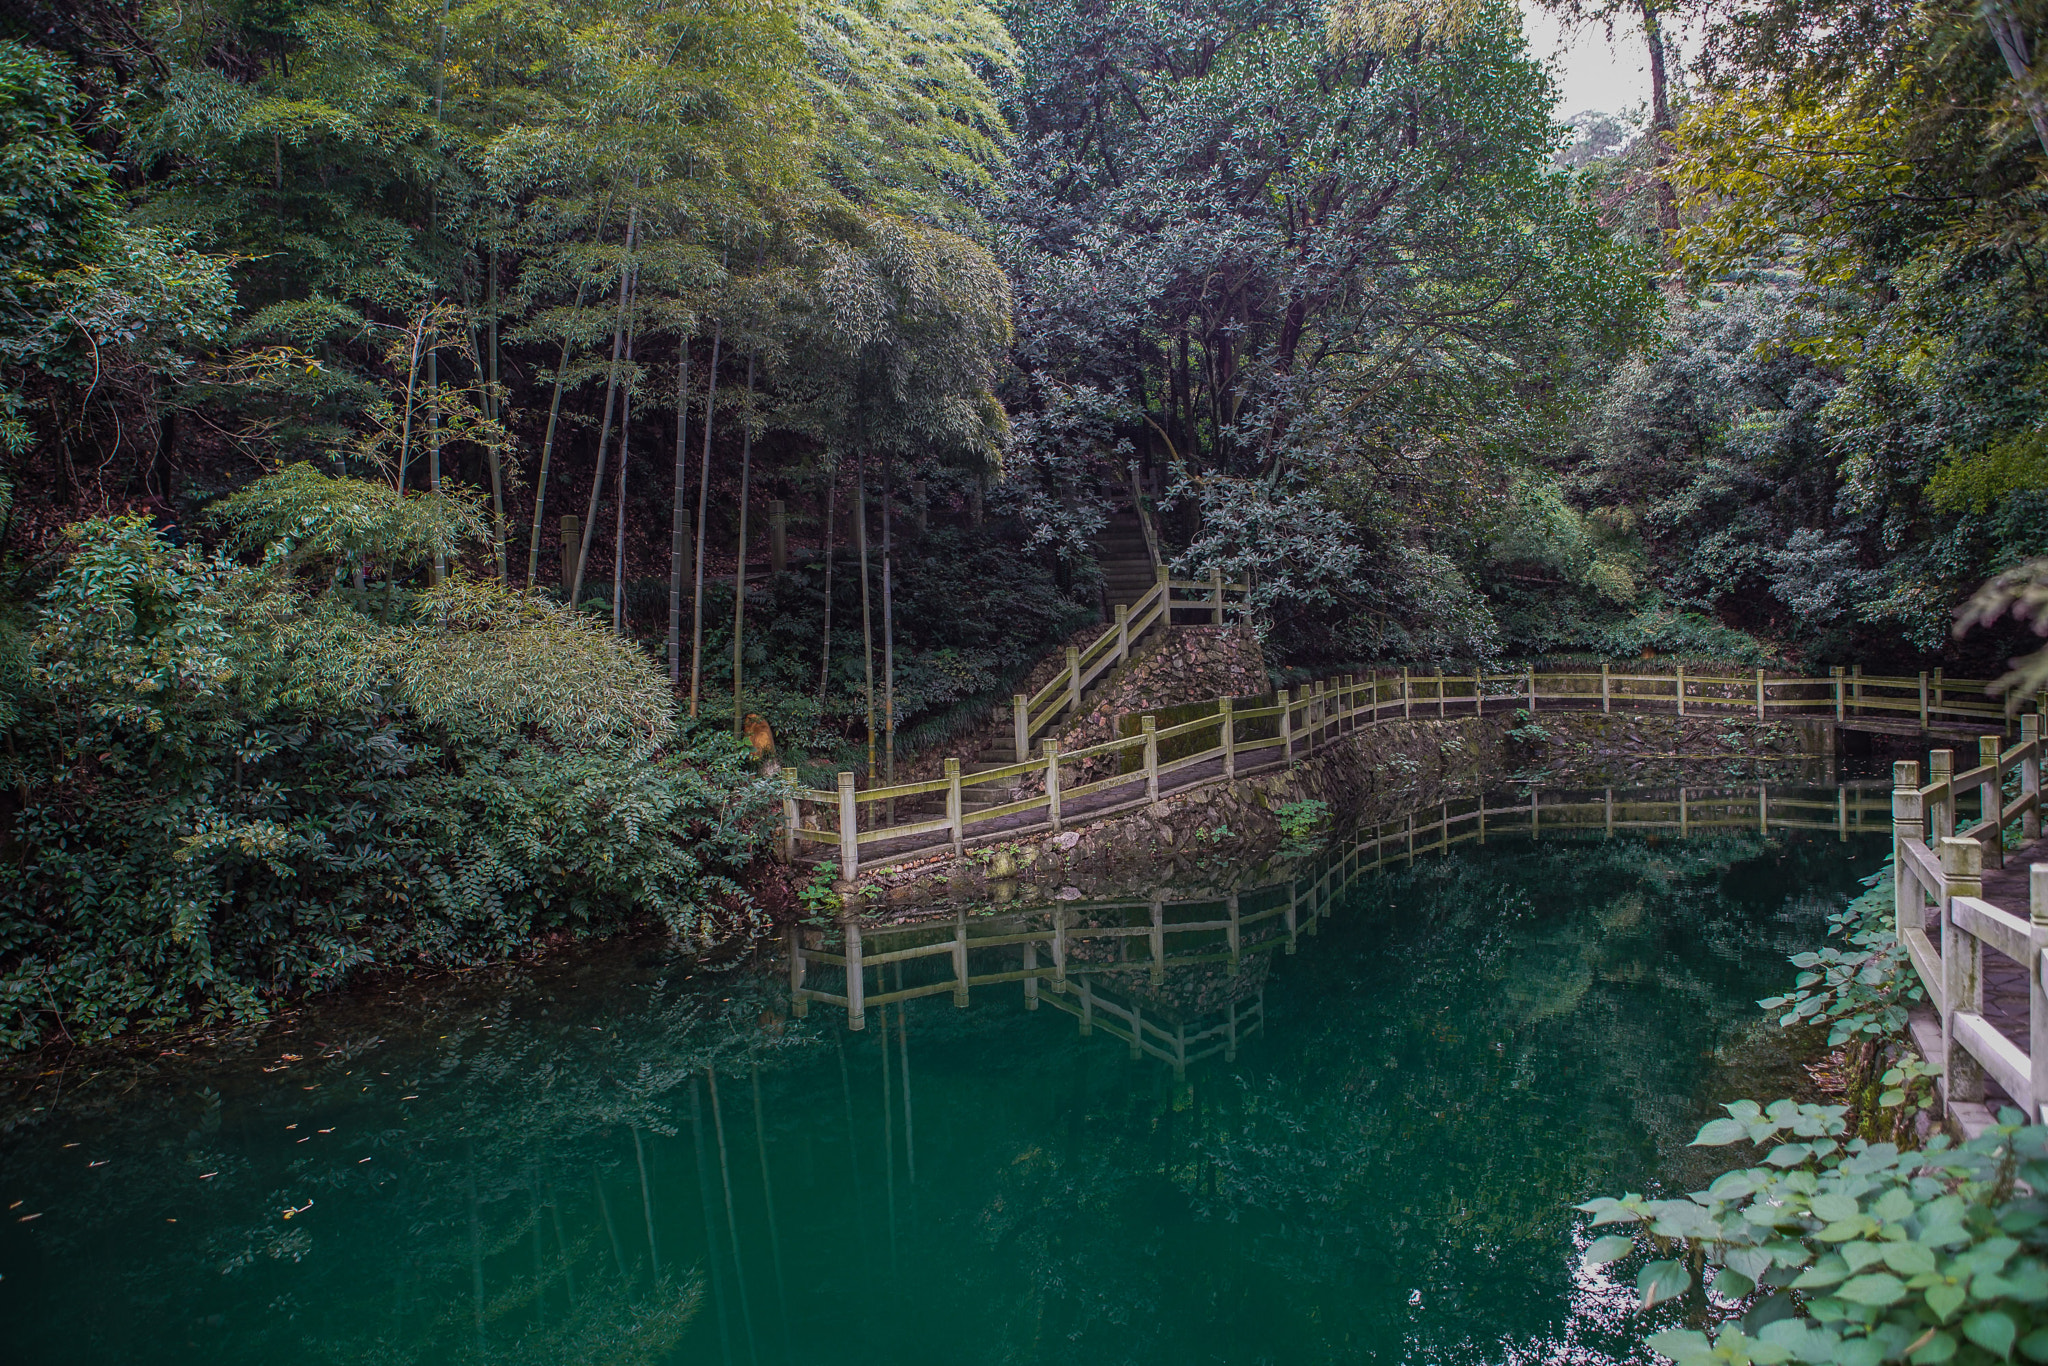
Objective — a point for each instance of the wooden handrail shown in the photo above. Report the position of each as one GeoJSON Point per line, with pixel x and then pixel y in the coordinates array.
{"type": "Point", "coordinates": [1314, 716]}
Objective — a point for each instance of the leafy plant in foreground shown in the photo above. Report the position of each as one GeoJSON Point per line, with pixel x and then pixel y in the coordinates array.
{"type": "Point", "coordinates": [1834, 1250]}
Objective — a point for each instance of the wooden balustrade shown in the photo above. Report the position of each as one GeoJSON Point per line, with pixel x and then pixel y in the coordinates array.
{"type": "Point", "coordinates": [1307, 720]}
{"type": "Point", "coordinates": [1938, 872]}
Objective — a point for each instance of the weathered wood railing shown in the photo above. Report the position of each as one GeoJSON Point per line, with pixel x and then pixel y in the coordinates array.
{"type": "Point", "coordinates": [1297, 723]}
{"type": "Point", "coordinates": [1938, 874]}
{"type": "Point", "coordinates": [1061, 695]}
{"type": "Point", "coordinates": [1059, 947]}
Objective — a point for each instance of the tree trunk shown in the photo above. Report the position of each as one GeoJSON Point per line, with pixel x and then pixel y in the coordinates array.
{"type": "Point", "coordinates": [2013, 46]}
{"type": "Point", "coordinates": [888, 625]}
{"type": "Point", "coordinates": [739, 572]}
{"type": "Point", "coordinates": [867, 617]}
{"type": "Point", "coordinates": [1660, 118]}
{"type": "Point", "coordinates": [547, 445]}
{"type": "Point", "coordinates": [825, 641]}
{"type": "Point", "coordinates": [494, 452]}
{"type": "Point", "coordinates": [619, 530]}
{"type": "Point", "coordinates": [703, 508]}
{"type": "Point", "coordinates": [611, 391]}
{"type": "Point", "coordinates": [434, 447]}
{"type": "Point", "coordinates": [679, 549]}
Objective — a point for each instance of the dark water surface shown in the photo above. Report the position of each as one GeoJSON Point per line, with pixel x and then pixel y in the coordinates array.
{"type": "Point", "coordinates": [555, 1165]}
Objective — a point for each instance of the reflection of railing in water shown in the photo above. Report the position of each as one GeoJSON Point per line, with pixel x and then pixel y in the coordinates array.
{"type": "Point", "coordinates": [1085, 940]}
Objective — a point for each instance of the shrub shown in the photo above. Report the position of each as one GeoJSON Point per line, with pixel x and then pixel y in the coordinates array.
{"type": "Point", "coordinates": [234, 783]}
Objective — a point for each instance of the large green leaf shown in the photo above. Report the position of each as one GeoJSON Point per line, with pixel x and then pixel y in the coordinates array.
{"type": "Point", "coordinates": [1878, 1289]}
{"type": "Point", "coordinates": [1662, 1280]}
{"type": "Point", "coordinates": [1993, 1330]}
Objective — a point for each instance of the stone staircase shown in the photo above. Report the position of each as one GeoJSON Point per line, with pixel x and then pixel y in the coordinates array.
{"type": "Point", "coordinates": [1127, 572]}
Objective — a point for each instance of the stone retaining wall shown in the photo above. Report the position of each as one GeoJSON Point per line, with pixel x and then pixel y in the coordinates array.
{"type": "Point", "coordinates": [1229, 830]}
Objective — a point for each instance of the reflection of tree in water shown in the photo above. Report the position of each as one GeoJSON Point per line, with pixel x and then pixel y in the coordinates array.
{"type": "Point", "coordinates": [516, 1184]}
{"type": "Point", "coordinates": [1464, 1050]}
{"type": "Point", "coordinates": [1442, 1082]}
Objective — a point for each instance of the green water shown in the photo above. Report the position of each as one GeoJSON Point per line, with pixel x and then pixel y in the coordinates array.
{"type": "Point", "coordinates": [534, 1167]}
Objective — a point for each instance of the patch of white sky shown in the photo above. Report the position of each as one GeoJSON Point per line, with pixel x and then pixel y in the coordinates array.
{"type": "Point", "coordinates": [1593, 70]}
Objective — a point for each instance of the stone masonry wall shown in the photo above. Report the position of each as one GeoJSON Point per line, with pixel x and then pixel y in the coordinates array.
{"type": "Point", "coordinates": [1375, 774]}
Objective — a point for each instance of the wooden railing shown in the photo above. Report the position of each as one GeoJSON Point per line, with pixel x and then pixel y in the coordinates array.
{"type": "Point", "coordinates": [1061, 948]}
{"type": "Point", "coordinates": [1938, 872]}
{"type": "Point", "coordinates": [1061, 695]}
{"type": "Point", "coordinates": [1296, 724]}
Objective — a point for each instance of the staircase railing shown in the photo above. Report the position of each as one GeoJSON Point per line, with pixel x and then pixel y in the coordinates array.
{"type": "Point", "coordinates": [1032, 716]}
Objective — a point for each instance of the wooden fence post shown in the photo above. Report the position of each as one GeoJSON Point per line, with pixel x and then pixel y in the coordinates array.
{"type": "Point", "coordinates": [1158, 972]}
{"type": "Point", "coordinates": [1908, 822]}
{"type": "Point", "coordinates": [1532, 689]}
{"type": "Point", "coordinates": [1216, 597]}
{"type": "Point", "coordinates": [2037, 997]}
{"type": "Point", "coordinates": [1052, 782]}
{"type": "Point", "coordinates": [1226, 732]}
{"type": "Point", "coordinates": [1407, 701]}
{"type": "Point", "coordinates": [954, 815]}
{"type": "Point", "coordinates": [572, 549]}
{"type": "Point", "coordinates": [1162, 584]}
{"type": "Point", "coordinates": [1991, 801]}
{"type": "Point", "coordinates": [1478, 692]}
{"type": "Point", "coordinates": [1837, 672]}
{"type": "Point", "coordinates": [856, 974]}
{"type": "Point", "coordinates": [1123, 632]}
{"type": "Point", "coordinates": [1680, 680]}
{"type": "Point", "coordinates": [849, 828]}
{"type": "Point", "coordinates": [1941, 821]}
{"type": "Point", "coordinates": [1759, 694]}
{"type": "Point", "coordinates": [1059, 949]}
{"type": "Point", "coordinates": [1962, 967]}
{"type": "Point", "coordinates": [1149, 727]}
{"type": "Point", "coordinates": [1074, 679]}
{"type": "Point", "coordinates": [1286, 701]}
{"type": "Point", "coordinates": [1020, 720]}
{"type": "Point", "coordinates": [959, 967]}
{"type": "Point", "coordinates": [1939, 695]}
{"type": "Point", "coordinates": [799, 1004]}
{"type": "Point", "coordinates": [1923, 699]}
{"type": "Point", "coordinates": [790, 816]}
{"type": "Point", "coordinates": [1606, 704]}
{"type": "Point", "coordinates": [2030, 774]}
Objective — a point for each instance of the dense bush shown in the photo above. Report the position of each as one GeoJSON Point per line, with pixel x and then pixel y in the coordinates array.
{"type": "Point", "coordinates": [232, 782]}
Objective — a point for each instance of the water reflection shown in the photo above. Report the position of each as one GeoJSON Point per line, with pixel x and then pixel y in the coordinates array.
{"type": "Point", "coordinates": [1364, 1151]}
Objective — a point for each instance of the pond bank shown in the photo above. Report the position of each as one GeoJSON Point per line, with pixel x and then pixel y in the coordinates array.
{"type": "Point", "coordinates": [1369, 776]}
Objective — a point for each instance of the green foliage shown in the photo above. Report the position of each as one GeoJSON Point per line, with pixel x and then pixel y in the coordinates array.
{"type": "Point", "coordinates": [300, 515]}
{"type": "Point", "coordinates": [1834, 1251]}
{"type": "Point", "coordinates": [1330, 296]}
{"type": "Point", "coordinates": [234, 788]}
{"type": "Point", "coordinates": [820, 902]}
{"type": "Point", "coordinates": [1301, 822]}
{"type": "Point", "coordinates": [1860, 992]}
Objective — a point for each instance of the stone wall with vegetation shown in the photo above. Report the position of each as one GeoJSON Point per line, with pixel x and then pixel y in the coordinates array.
{"type": "Point", "coordinates": [1234, 829]}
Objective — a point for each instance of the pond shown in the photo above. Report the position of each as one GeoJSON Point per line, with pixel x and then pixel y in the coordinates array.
{"type": "Point", "coordinates": [621, 1157]}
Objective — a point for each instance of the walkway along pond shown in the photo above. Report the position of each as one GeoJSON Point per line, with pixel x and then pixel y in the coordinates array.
{"type": "Point", "coordinates": [880, 825]}
{"type": "Point", "coordinates": [623, 1157]}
